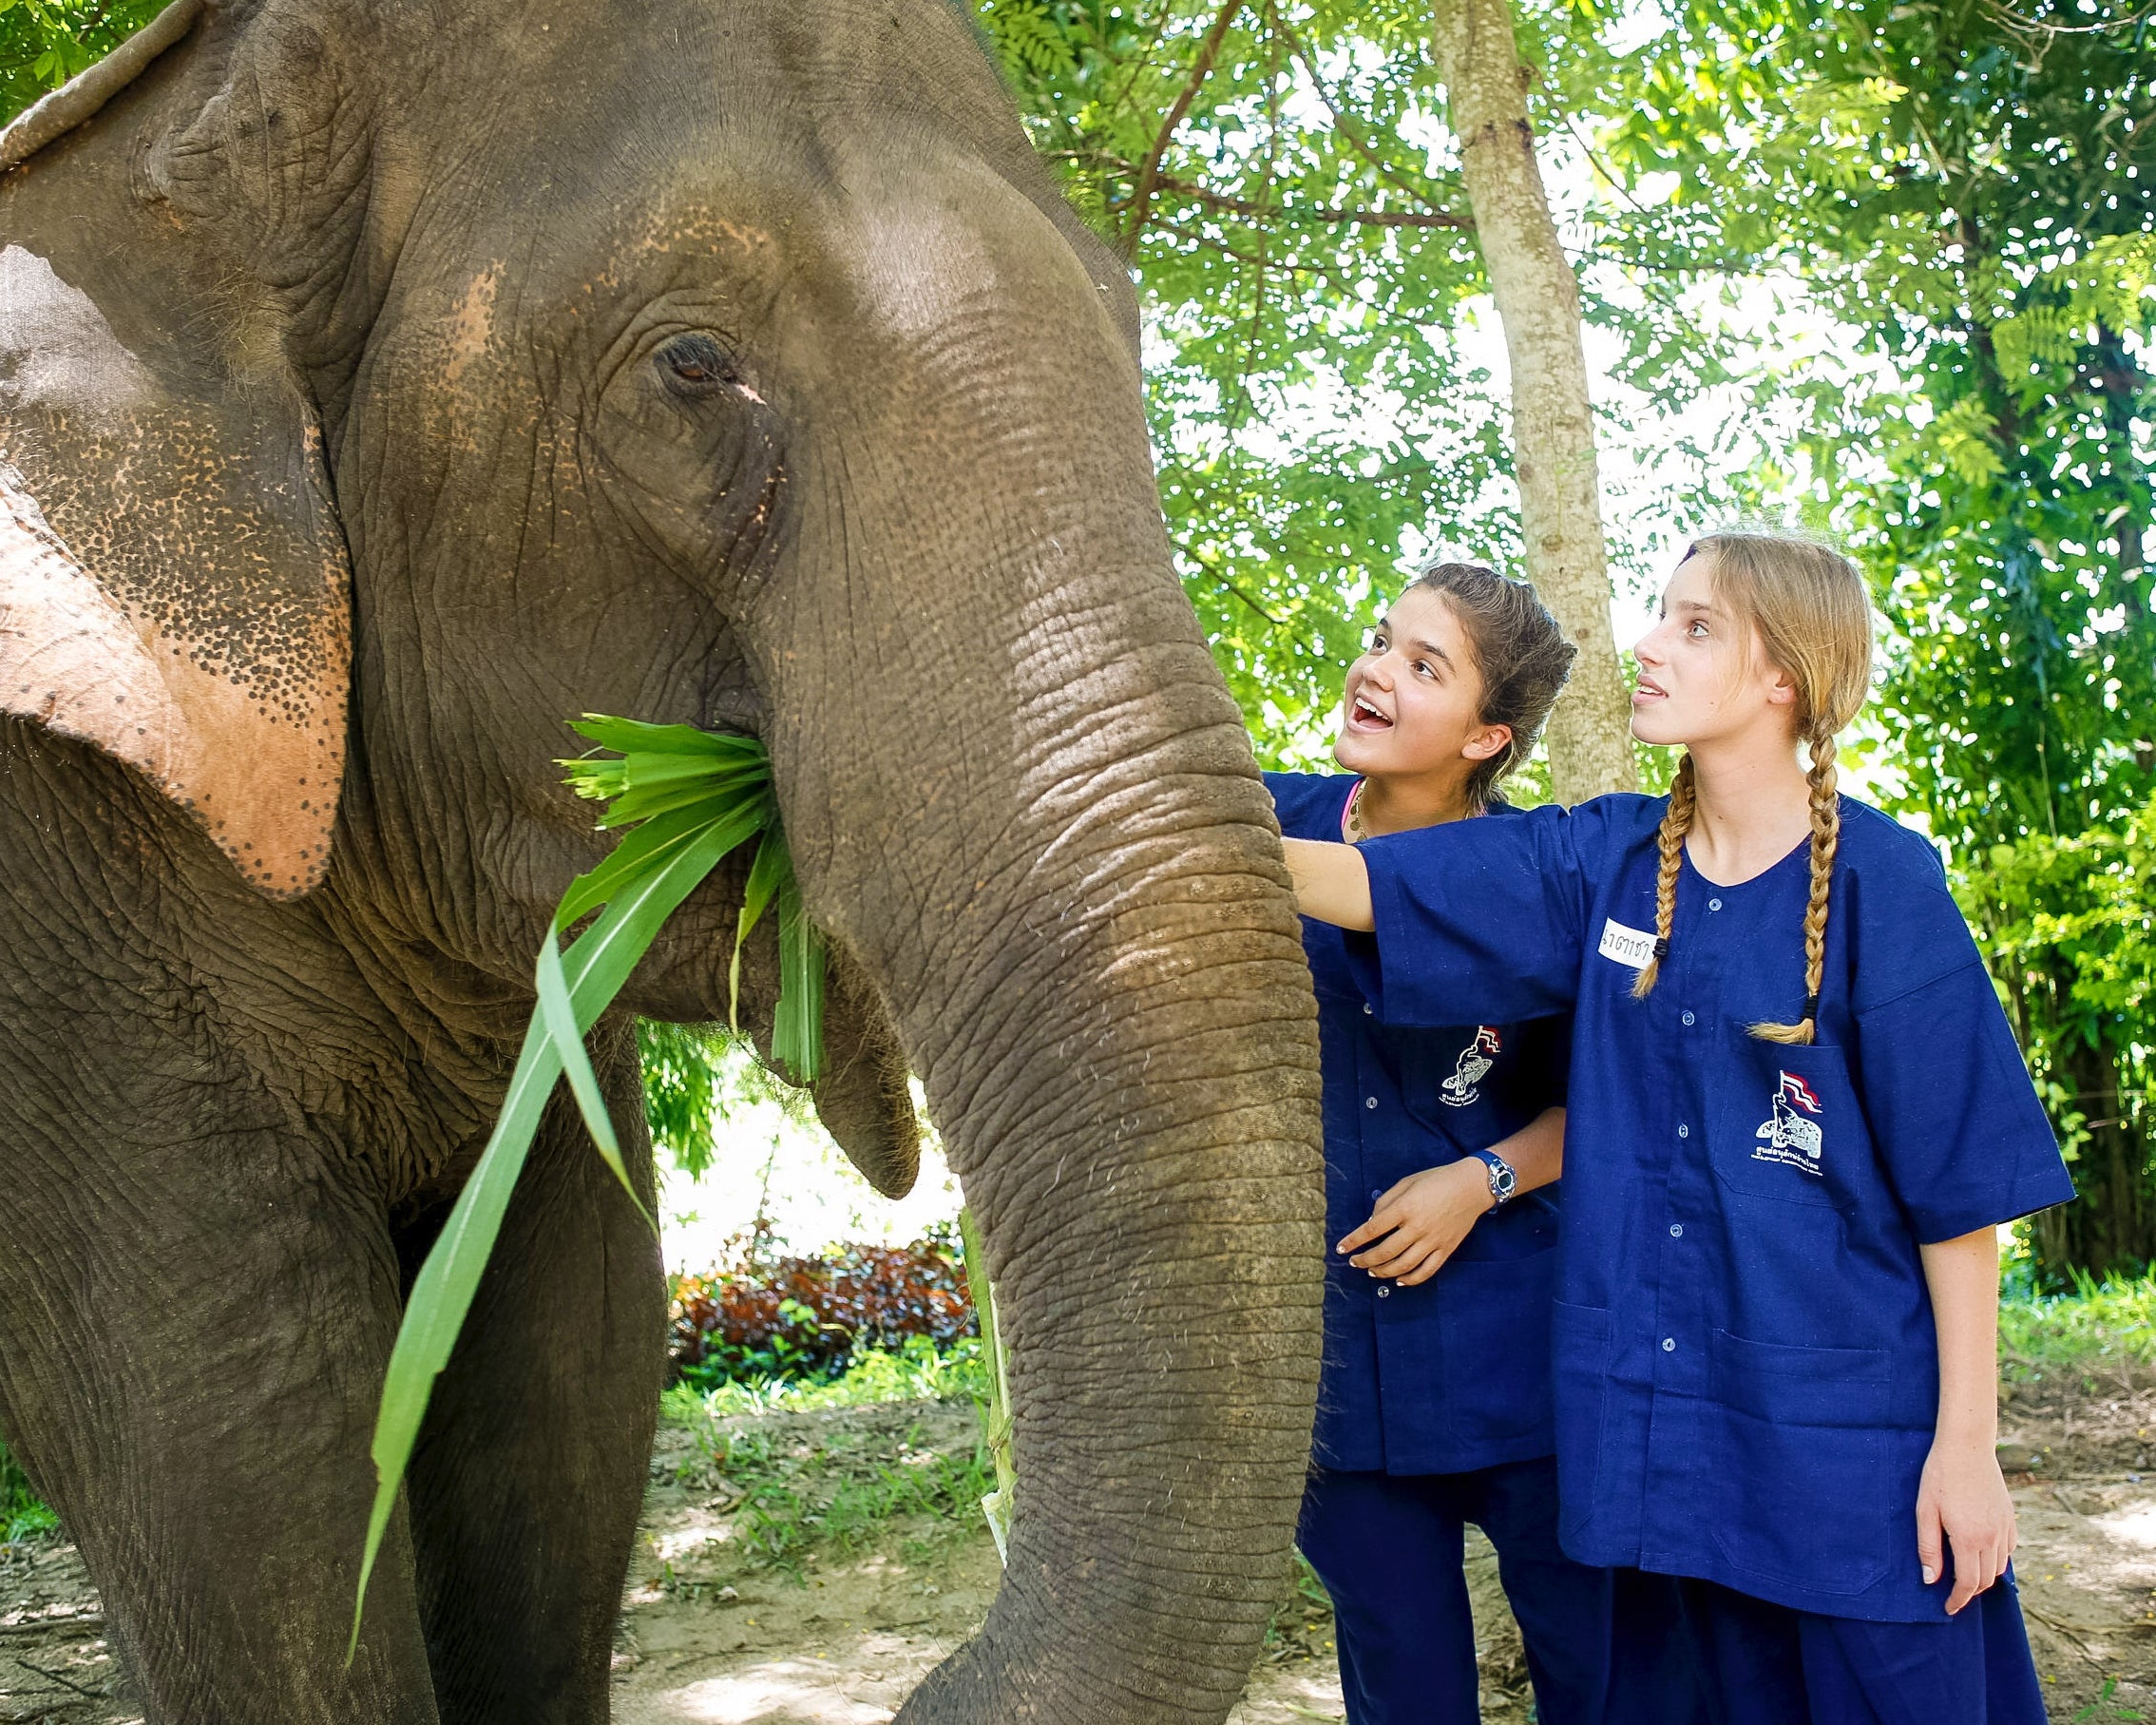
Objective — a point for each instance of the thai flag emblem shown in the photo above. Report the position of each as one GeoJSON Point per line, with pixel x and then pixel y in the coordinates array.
{"type": "Point", "coordinates": [1786, 1136]}
{"type": "Point", "coordinates": [1475, 1062]}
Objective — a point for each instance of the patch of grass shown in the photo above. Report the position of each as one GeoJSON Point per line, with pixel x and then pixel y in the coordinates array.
{"type": "Point", "coordinates": [2107, 1325]}
{"type": "Point", "coordinates": [800, 1500]}
{"type": "Point", "coordinates": [22, 1514]}
{"type": "Point", "coordinates": [917, 1370]}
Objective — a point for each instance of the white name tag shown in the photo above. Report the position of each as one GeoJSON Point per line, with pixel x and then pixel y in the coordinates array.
{"type": "Point", "coordinates": [1632, 946]}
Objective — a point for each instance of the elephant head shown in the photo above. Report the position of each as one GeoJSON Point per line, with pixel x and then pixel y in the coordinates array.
{"type": "Point", "coordinates": [425, 375]}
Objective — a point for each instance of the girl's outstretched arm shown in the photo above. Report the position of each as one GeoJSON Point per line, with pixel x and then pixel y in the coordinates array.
{"type": "Point", "coordinates": [1962, 1495]}
{"type": "Point", "coordinates": [1332, 884]}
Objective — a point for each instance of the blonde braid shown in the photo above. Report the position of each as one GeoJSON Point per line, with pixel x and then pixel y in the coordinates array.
{"type": "Point", "coordinates": [1670, 837]}
{"type": "Point", "coordinates": [1827, 835]}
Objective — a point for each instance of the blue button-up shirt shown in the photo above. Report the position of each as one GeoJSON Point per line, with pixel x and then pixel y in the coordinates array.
{"type": "Point", "coordinates": [1453, 1375]}
{"type": "Point", "coordinates": [1747, 1369]}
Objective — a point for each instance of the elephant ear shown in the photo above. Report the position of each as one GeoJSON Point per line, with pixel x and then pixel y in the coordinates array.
{"type": "Point", "coordinates": [174, 586]}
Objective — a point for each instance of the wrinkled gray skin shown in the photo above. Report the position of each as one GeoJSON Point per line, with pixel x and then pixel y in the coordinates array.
{"type": "Point", "coordinates": [725, 361]}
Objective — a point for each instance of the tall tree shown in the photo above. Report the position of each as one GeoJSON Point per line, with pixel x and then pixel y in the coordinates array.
{"type": "Point", "coordinates": [1553, 422]}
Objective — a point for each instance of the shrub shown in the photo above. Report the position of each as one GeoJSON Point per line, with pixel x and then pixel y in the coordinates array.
{"type": "Point", "coordinates": [759, 1317]}
{"type": "Point", "coordinates": [23, 1513]}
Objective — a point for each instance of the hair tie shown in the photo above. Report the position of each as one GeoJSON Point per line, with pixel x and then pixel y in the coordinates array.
{"type": "Point", "coordinates": [1662, 948]}
{"type": "Point", "coordinates": [1811, 1005]}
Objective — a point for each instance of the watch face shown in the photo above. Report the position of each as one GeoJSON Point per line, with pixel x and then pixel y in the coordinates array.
{"type": "Point", "coordinates": [1502, 1180]}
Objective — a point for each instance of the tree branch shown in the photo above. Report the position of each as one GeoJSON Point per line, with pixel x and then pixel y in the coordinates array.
{"type": "Point", "coordinates": [1244, 207]}
{"type": "Point", "coordinates": [1141, 199]}
{"type": "Point", "coordinates": [1385, 170]}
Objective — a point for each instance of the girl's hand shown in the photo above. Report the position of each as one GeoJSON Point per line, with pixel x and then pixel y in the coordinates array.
{"type": "Point", "coordinates": [1418, 1223]}
{"type": "Point", "coordinates": [1964, 1497]}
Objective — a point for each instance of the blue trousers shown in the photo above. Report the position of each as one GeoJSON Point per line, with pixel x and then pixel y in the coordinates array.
{"type": "Point", "coordinates": [1763, 1664]}
{"type": "Point", "coordinates": [1603, 1646]}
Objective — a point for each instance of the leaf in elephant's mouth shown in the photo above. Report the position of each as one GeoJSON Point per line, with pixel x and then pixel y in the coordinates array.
{"type": "Point", "coordinates": [688, 799]}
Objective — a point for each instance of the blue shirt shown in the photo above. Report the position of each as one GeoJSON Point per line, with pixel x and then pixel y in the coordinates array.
{"type": "Point", "coordinates": [1453, 1375]}
{"type": "Point", "coordinates": [1747, 1369]}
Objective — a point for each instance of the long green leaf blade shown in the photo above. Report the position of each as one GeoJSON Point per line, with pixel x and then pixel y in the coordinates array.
{"type": "Point", "coordinates": [559, 1018]}
{"type": "Point", "coordinates": [633, 736]}
{"type": "Point", "coordinates": [627, 860]}
{"type": "Point", "coordinates": [797, 1027]}
{"type": "Point", "coordinates": [442, 1293]}
{"type": "Point", "coordinates": [766, 874]}
{"type": "Point", "coordinates": [595, 967]}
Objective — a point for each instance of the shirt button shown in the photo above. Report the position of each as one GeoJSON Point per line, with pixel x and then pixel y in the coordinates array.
{"type": "Point", "coordinates": [1687, 1018]}
{"type": "Point", "coordinates": [1370, 1102]}
{"type": "Point", "coordinates": [1669, 1344]}
{"type": "Point", "coordinates": [1684, 1132]}
{"type": "Point", "coordinates": [1368, 1010]}
{"type": "Point", "coordinates": [1385, 1291]}
{"type": "Point", "coordinates": [1714, 904]}
{"type": "Point", "coordinates": [1376, 1193]}
{"type": "Point", "coordinates": [1676, 1231]}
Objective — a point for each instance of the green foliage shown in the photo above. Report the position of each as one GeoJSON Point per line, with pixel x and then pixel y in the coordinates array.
{"type": "Point", "coordinates": [2082, 909]}
{"type": "Point", "coordinates": [22, 1514]}
{"type": "Point", "coordinates": [2070, 926]}
{"type": "Point", "coordinates": [1279, 178]}
{"type": "Point", "coordinates": [1302, 1622]}
{"type": "Point", "coordinates": [43, 43]}
{"type": "Point", "coordinates": [698, 1076]}
{"type": "Point", "coordinates": [1968, 191]}
{"type": "Point", "coordinates": [689, 797]}
{"type": "Point", "coordinates": [917, 1370]}
{"type": "Point", "coordinates": [2093, 1323]}
{"type": "Point", "coordinates": [839, 1495]}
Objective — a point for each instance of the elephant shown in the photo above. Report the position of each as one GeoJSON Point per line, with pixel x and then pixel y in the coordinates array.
{"type": "Point", "coordinates": [382, 384]}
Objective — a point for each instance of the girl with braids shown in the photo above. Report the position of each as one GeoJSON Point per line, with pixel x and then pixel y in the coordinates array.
{"type": "Point", "coordinates": [1797, 1120]}
{"type": "Point", "coordinates": [1441, 1141]}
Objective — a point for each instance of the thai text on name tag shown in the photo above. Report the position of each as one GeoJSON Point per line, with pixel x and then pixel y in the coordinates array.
{"type": "Point", "coordinates": [1632, 946]}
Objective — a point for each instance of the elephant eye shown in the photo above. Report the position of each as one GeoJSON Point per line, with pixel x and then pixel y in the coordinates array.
{"type": "Point", "coordinates": [693, 366]}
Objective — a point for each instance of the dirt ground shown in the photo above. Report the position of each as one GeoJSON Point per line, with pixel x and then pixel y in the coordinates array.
{"type": "Point", "coordinates": [754, 1602]}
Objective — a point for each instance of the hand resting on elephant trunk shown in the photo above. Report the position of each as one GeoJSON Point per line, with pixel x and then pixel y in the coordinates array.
{"type": "Point", "coordinates": [380, 383]}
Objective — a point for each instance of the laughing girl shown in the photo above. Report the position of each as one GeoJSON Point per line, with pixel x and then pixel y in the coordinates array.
{"type": "Point", "coordinates": [1441, 1142]}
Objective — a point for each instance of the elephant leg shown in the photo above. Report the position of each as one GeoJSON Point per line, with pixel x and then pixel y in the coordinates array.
{"type": "Point", "coordinates": [195, 1341]}
{"type": "Point", "coordinates": [529, 1474]}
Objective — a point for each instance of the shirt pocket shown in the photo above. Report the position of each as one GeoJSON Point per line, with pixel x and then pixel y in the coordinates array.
{"type": "Point", "coordinates": [1579, 1354]}
{"type": "Point", "coordinates": [1787, 1125]}
{"type": "Point", "coordinates": [1451, 1079]}
{"type": "Point", "coordinates": [1798, 1459]}
{"type": "Point", "coordinates": [1494, 1330]}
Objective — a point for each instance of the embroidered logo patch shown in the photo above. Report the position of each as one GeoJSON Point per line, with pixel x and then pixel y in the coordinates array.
{"type": "Point", "coordinates": [1791, 1138]}
{"type": "Point", "coordinates": [1475, 1062]}
{"type": "Point", "coordinates": [1632, 946]}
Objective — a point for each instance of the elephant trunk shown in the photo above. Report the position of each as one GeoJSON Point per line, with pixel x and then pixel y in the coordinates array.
{"type": "Point", "coordinates": [1020, 796]}
{"type": "Point", "coordinates": [1140, 1148]}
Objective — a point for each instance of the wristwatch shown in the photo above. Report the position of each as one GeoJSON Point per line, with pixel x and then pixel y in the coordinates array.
{"type": "Point", "coordinates": [1503, 1182]}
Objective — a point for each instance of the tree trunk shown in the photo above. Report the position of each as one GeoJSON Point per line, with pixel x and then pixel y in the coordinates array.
{"type": "Point", "coordinates": [1553, 426]}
